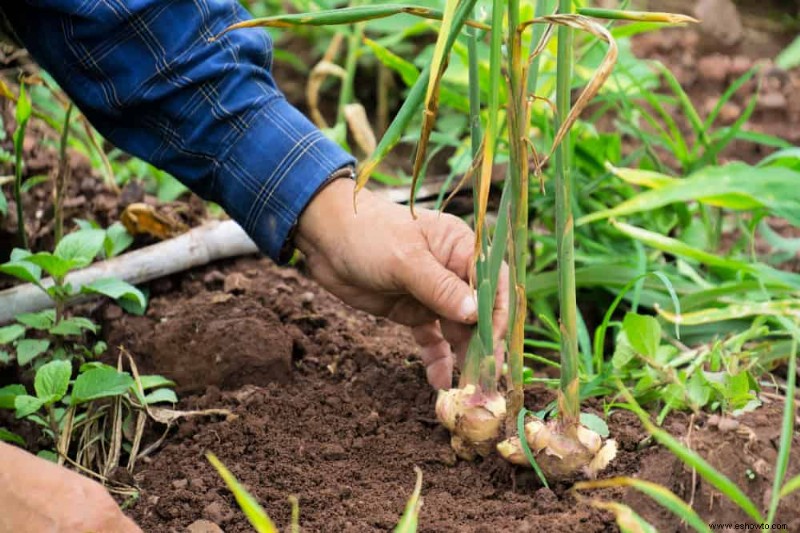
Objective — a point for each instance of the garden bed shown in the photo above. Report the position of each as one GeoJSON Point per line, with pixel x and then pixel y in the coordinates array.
{"type": "Point", "coordinates": [331, 405]}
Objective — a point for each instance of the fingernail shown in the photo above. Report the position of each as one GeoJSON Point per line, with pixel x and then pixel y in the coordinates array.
{"type": "Point", "coordinates": [469, 309]}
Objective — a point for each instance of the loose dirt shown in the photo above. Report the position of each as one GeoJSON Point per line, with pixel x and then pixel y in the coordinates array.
{"type": "Point", "coordinates": [332, 406]}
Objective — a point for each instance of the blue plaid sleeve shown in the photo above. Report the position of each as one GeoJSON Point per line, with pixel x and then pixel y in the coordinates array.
{"type": "Point", "coordinates": [145, 74]}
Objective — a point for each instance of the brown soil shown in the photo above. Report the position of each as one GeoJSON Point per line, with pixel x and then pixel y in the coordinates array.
{"type": "Point", "coordinates": [332, 406]}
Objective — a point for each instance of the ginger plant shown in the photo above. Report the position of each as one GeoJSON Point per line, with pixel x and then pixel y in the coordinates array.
{"type": "Point", "coordinates": [481, 415]}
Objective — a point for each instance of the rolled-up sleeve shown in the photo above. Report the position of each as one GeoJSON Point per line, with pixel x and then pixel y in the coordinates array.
{"type": "Point", "coordinates": [149, 78]}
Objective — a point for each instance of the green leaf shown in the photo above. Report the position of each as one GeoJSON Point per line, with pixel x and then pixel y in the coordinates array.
{"type": "Point", "coordinates": [255, 514]}
{"type": "Point", "coordinates": [22, 270]}
{"type": "Point", "coordinates": [698, 389]}
{"type": "Point", "coordinates": [100, 383]}
{"type": "Point", "coordinates": [643, 333]}
{"type": "Point", "coordinates": [790, 57]}
{"type": "Point", "coordinates": [52, 381]}
{"type": "Point", "coordinates": [41, 320]}
{"type": "Point", "coordinates": [48, 455]}
{"type": "Point", "coordinates": [55, 266]}
{"type": "Point", "coordinates": [623, 351]}
{"type": "Point", "coordinates": [117, 240]}
{"type": "Point", "coordinates": [24, 108]}
{"type": "Point", "coordinates": [3, 204]}
{"type": "Point", "coordinates": [791, 486]}
{"type": "Point", "coordinates": [9, 334]}
{"type": "Point", "coordinates": [74, 326]}
{"type": "Point", "coordinates": [27, 405]}
{"type": "Point", "coordinates": [161, 395]}
{"type": "Point", "coordinates": [13, 438]}
{"type": "Point", "coordinates": [735, 186]}
{"type": "Point", "coordinates": [595, 423]}
{"type": "Point", "coordinates": [116, 289]}
{"type": "Point", "coordinates": [8, 393]}
{"type": "Point", "coordinates": [29, 349]}
{"type": "Point", "coordinates": [152, 381]}
{"type": "Point", "coordinates": [81, 247]}
{"type": "Point", "coordinates": [5, 357]}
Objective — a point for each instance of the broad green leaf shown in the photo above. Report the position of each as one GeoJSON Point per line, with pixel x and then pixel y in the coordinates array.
{"type": "Point", "coordinates": [116, 289]}
{"type": "Point", "coordinates": [13, 438]}
{"type": "Point", "coordinates": [117, 240]}
{"type": "Point", "coordinates": [22, 270]}
{"type": "Point", "coordinates": [100, 383]}
{"type": "Point", "coordinates": [9, 334]}
{"type": "Point", "coordinates": [52, 381]}
{"type": "Point", "coordinates": [161, 395]}
{"type": "Point", "coordinates": [41, 320]}
{"type": "Point", "coordinates": [623, 351]}
{"type": "Point", "coordinates": [57, 267]}
{"type": "Point", "coordinates": [643, 333]}
{"type": "Point", "coordinates": [410, 519]}
{"type": "Point", "coordinates": [5, 357]}
{"type": "Point", "coordinates": [8, 393]}
{"type": "Point", "coordinates": [255, 514]}
{"type": "Point", "coordinates": [3, 204]}
{"type": "Point", "coordinates": [81, 247]}
{"type": "Point", "coordinates": [790, 57]}
{"type": "Point", "coordinates": [27, 405]}
{"type": "Point", "coordinates": [30, 349]}
{"type": "Point", "coordinates": [788, 157]}
{"type": "Point", "coordinates": [48, 455]}
{"type": "Point", "coordinates": [698, 389]}
{"type": "Point", "coordinates": [736, 186]}
{"type": "Point", "coordinates": [595, 423]}
{"type": "Point", "coordinates": [74, 326]}
{"type": "Point", "coordinates": [151, 382]}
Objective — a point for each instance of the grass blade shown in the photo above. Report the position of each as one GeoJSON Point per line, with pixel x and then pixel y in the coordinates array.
{"type": "Point", "coordinates": [787, 425]}
{"type": "Point", "coordinates": [640, 16]}
{"type": "Point", "coordinates": [431, 106]}
{"type": "Point", "coordinates": [345, 15]}
{"type": "Point", "coordinates": [410, 519]}
{"type": "Point", "coordinates": [721, 482]}
{"type": "Point", "coordinates": [255, 514]}
{"type": "Point", "coordinates": [662, 495]}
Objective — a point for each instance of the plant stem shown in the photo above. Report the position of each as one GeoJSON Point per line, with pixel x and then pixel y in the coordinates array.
{"type": "Point", "coordinates": [353, 45]}
{"type": "Point", "coordinates": [23, 237]}
{"type": "Point", "coordinates": [61, 179]}
{"type": "Point", "coordinates": [569, 399]}
{"type": "Point", "coordinates": [518, 243]}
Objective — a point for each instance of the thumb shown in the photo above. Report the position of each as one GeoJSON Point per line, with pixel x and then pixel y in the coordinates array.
{"type": "Point", "coordinates": [441, 291]}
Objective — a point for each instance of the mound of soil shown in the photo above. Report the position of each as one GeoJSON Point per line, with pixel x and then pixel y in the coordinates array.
{"type": "Point", "coordinates": [332, 406]}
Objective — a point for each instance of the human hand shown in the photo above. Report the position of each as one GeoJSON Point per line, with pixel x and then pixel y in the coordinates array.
{"type": "Point", "coordinates": [37, 495]}
{"type": "Point", "coordinates": [415, 272]}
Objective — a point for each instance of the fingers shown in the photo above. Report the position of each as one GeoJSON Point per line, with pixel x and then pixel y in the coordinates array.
{"type": "Point", "coordinates": [436, 355]}
{"type": "Point", "coordinates": [458, 335]}
{"type": "Point", "coordinates": [441, 290]}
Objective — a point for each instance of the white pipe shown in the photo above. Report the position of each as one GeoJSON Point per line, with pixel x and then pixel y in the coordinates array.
{"type": "Point", "coordinates": [202, 245]}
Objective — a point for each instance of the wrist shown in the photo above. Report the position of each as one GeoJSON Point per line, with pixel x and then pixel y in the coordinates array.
{"type": "Point", "coordinates": [327, 213]}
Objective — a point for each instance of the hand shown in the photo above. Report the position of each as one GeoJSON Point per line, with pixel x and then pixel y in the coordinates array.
{"type": "Point", "coordinates": [37, 495]}
{"type": "Point", "coordinates": [415, 272]}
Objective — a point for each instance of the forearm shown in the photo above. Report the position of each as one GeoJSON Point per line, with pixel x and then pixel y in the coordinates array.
{"type": "Point", "coordinates": [210, 113]}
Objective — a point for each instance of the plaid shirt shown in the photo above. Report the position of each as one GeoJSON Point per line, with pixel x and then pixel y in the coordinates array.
{"type": "Point", "coordinates": [145, 75]}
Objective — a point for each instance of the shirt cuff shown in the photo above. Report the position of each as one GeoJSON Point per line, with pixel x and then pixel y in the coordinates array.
{"type": "Point", "coordinates": [273, 170]}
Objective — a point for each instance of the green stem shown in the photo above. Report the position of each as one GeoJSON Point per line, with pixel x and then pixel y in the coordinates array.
{"type": "Point", "coordinates": [569, 395]}
{"type": "Point", "coordinates": [518, 244]}
{"type": "Point", "coordinates": [61, 179]}
{"type": "Point", "coordinates": [353, 45]}
{"type": "Point", "coordinates": [23, 237]}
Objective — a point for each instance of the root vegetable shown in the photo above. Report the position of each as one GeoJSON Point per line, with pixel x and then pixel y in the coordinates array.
{"type": "Point", "coordinates": [562, 455]}
{"type": "Point", "coordinates": [474, 418]}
